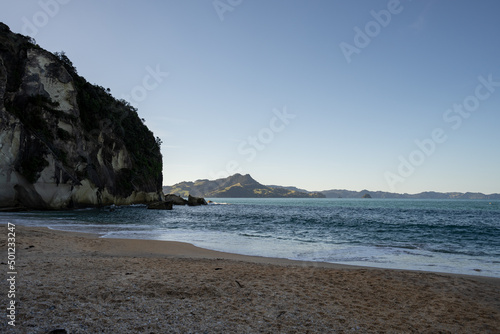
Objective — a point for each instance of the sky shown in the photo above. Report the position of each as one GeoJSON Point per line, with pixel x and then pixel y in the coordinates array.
{"type": "Point", "coordinates": [388, 95]}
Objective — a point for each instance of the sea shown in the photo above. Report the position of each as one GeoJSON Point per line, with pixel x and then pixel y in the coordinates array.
{"type": "Point", "coordinates": [450, 236]}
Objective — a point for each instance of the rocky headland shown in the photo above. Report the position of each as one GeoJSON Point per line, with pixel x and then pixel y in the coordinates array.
{"type": "Point", "coordinates": [66, 143]}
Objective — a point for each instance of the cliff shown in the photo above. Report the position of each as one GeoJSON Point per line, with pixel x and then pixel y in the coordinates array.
{"type": "Point", "coordinates": [65, 143]}
{"type": "Point", "coordinates": [237, 185]}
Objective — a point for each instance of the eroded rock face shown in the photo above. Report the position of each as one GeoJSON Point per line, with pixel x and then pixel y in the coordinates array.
{"type": "Point", "coordinates": [176, 200]}
{"type": "Point", "coordinates": [195, 201]}
{"type": "Point", "coordinates": [65, 143]}
{"type": "Point", "coordinates": [167, 205]}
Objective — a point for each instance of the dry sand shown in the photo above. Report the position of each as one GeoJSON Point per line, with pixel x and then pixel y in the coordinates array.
{"type": "Point", "coordinates": [84, 284]}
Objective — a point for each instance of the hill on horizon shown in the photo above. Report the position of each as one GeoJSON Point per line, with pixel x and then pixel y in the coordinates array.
{"type": "Point", "coordinates": [237, 185]}
{"type": "Point", "coordinates": [242, 186]}
{"type": "Point", "coordinates": [342, 193]}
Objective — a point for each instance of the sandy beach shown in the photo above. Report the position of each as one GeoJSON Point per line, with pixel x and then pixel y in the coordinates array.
{"type": "Point", "coordinates": [81, 283]}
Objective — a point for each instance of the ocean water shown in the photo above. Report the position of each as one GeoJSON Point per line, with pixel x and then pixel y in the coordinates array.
{"type": "Point", "coordinates": [453, 236]}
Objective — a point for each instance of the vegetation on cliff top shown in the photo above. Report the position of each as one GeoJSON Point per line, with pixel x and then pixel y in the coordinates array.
{"type": "Point", "coordinates": [100, 115]}
{"type": "Point", "coordinates": [101, 112]}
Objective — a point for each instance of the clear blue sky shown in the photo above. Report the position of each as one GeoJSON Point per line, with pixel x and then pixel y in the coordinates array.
{"type": "Point", "coordinates": [319, 94]}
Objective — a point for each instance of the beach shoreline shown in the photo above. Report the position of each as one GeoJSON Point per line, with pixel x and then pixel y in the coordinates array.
{"type": "Point", "coordinates": [80, 282]}
{"type": "Point", "coordinates": [170, 248]}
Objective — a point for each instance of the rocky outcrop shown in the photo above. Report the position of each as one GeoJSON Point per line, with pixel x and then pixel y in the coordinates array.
{"type": "Point", "coordinates": [65, 143]}
{"type": "Point", "coordinates": [176, 200]}
{"type": "Point", "coordinates": [195, 201]}
{"type": "Point", "coordinates": [163, 205]}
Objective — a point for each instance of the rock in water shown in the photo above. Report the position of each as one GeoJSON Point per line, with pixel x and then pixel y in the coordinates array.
{"type": "Point", "coordinates": [195, 201]}
{"type": "Point", "coordinates": [167, 205]}
{"type": "Point", "coordinates": [177, 200]}
{"type": "Point", "coordinates": [64, 142]}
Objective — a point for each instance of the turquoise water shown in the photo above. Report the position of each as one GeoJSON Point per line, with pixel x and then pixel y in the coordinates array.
{"type": "Point", "coordinates": [454, 236]}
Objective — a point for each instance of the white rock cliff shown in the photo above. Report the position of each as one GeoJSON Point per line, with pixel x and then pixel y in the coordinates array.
{"type": "Point", "coordinates": [63, 142]}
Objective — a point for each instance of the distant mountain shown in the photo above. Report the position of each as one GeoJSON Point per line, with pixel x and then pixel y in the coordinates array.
{"type": "Point", "coordinates": [336, 193]}
{"type": "Point", "coordinates": [241, 186]}
{"type": "Point", "coordinates": [291, 188]}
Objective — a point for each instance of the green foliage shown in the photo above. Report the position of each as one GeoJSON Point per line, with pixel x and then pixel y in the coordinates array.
{"type": "Point", "coordinates": [123, 181]}
{"type": "Point", "coordinates": [101, 113]}
{"type": "Point", "coordinates": [159, 142]}
{"type": "Point", "coordinates": [13, 51]}
{"type": "Point", "coordinates": [66, 62]}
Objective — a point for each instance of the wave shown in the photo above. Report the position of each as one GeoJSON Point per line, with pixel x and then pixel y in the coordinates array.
{"type": "Point", "coordinates": [255, 235]}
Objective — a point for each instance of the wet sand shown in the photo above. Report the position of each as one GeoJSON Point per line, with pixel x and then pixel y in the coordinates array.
{"type": "Point", "coordinates": [85, 284]}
